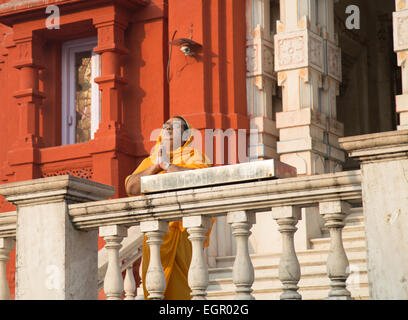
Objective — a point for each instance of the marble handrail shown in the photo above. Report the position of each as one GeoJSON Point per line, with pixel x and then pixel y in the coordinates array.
{"type": "Point", "coordinates": [282, 198]}
{"type": "Point", "coordinates": [212, 201]}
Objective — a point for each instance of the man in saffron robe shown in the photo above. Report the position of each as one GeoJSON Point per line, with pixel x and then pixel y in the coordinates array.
{"type": "Point", "coordinates": [172, 152]}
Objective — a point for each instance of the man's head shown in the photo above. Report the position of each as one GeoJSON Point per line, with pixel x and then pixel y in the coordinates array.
{"type": "Point", "coordinates": [175, 132]}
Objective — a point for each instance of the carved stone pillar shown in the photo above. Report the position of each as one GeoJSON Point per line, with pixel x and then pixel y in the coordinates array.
{"type": "Point", "coordinates": [400, 18]}
{"type": "Point", "coordinates": [111, 45]}
{"type": "Point", "coordinates": [197, 227]}
{"type": "Point", "coordinates": [289, 267]}
{"type": "Point", "coordinates": [308, 63]}
{"type": "Point", "coordinates": [28, 103]}
{"type": "Point", "coordinates": [112, 143]}
{"type": "Point", "coordinates": [243, 274]}
{"type": "Point", "coordinates": [129, 283]}
{"type": "Point", "coordinates": [261, 78]}
{"type": "Point", "coordinates": [113, 284]}
{"type": "Point", "coordinates": [29, 98]}
{"type": "Point", "coordinates": [155, 278]}
{"type": "Point", "coordinates": [334, 213]}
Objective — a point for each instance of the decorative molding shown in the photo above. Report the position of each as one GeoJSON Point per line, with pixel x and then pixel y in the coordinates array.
{"type": "Point", "coordinates": [54, 189]}
{"type": "Point", "coordinates": [290, 52]}
{"type": "Point", "coordinates": [85, 173]}
{"type": "Point", "coordinates": [400, 21]}
{"type": "Point", "coordinates": [260, 58]}
{"type": "Point", "coordinates": [256, 196]}
{"type": "Point", "coordinates": [111, 37]}
{"type": "Point", "coordinates": [334, 61]}
{"type": "Point", "coordinates": [297, 50]}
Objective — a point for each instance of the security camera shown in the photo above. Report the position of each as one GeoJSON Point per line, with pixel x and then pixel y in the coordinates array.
{"type": "Point", "coordinates": [187, 46]}
{"type": "Point", "coordinates": [186, 50]}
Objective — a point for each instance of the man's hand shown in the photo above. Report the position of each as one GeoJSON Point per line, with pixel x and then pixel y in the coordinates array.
{"type": "Point", "coordinates": [162, 159]}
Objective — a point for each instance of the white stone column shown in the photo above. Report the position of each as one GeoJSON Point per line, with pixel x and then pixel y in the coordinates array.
{"type": "Point", "coordinates": [155, 278]}
{"type": "Point", "coordinates": [139, 290]}
{"type": "Point", "coordinates": [400, 19]}
{"type": "Point", "coordinates": [242, 270]}
{"type": "Point", "coordinates": [54, 260]}
{"type": "Point", "coordinates": [308, 62]}
{"type": "Point", "coordinates": [289, 267]}
{"type": "Point", "coordinates": [262, 100]}
{"type": "Point", "coordinates": [129, 283]}
{"type": "Point", "coordinates": [113, 283]}
{"type": "Point", "coordinates": [6, 245]}
{"type": "Point", "coordinates": [197, 227]}
{"type": "Point", "coordinates": [334, 213]}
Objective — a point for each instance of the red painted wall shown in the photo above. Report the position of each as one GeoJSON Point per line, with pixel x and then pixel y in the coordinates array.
{"type": "Point", "coordinates": [208, 90]}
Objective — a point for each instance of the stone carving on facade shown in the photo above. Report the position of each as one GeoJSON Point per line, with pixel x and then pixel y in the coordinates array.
{"type": "Point", "coordinates": [105, 35]}
{"type": "Point", "coordinates": [401, 30]}
{"type": "Point", "coordinates": [316, 50]}
{"type": "Point", "coordinates": [85, 172]}
{"type": "Point", "coordinates": [251, 59]}
{"type": "Point", "coordinates": [299, 49]}
{"type": "Point", "coordinates": [23, 51]}
{"type": "Point", "coordinates": [400, 23]}
{"type": "Point", "coordinates": [268, 59]}
{"type": "Point", "coordinates": [334, 61]}
{"type": "Point", "coordinates": [291, 52]}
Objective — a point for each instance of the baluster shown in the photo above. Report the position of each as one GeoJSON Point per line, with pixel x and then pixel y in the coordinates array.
{"type": "Point", "coordinates": [197, 227]}
{"type": "Point", "coordinates": [6, 245]}
{"type": "Point", "coordinates": [289, 268]}
{"type": "Point", "coordinates": [113, 284]}
{"type": "Point", "coordinates": [242, 270]}
{"type": "Point", "coordinates": [129, 283]}
{"type": "Point", "coordinates": [139, 291]}
{"type": "Point", "coordinates": [334, 213]}
{"type": "Point", "coordinates": [155, 279]}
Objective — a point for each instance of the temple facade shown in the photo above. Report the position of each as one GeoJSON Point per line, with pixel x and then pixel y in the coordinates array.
{"type": "Point", "coordinates": [318, 85]}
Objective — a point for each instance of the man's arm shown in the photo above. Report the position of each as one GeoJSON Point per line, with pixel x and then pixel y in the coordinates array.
{"type": "Point", "coordinates": [174, 168]}
{"type": "Point", "coordinates": [133, 183]}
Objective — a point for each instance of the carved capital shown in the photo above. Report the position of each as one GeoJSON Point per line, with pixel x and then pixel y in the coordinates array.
{"type": "Point", "coordinates": [111, 37]}
{"type": "Point", "coordinates": [333, 61]}
{"type": "Point", "coordinates": [400, 21]}
{"type": "Point", "coordinates": [260, 58]}
{"type": "Point", "coordinates": [297, 50]}
{"type": "Point", "coordinates": [27, 52]}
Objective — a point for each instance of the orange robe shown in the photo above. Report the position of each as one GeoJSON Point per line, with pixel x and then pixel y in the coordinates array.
{"type": "Point", "coordinates": [175, 251]}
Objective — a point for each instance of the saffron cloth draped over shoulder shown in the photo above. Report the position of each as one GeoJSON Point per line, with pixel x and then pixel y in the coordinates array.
{"type": "Point", "coordinates": [175, 251]}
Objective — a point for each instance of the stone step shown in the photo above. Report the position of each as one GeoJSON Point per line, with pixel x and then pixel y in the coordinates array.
{"type": "Point", "coordinates": [356, 230]}
{"type": "Point", "coordinates": [315, 287]}
{"type": "Point", "coordinates": [319, 267]}
{"type": "Point", "coordinates": [349, 230]}
{"type": "Point", "coordinates": [307, 280]}
{"type": "Point", "coordinates": [348, 242]}
{"type": "Point", "coordinates": [314, 283]}
{"type": "Point", "coordinates": [310, 256]}
{"type": "Point", "coordinates": [355, 219]}
{"type": "Point", "coordinates": [309, 293]}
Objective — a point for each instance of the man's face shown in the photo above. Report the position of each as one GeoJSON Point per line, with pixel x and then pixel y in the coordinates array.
{"type": "Point", "coordinates": [172, 133]}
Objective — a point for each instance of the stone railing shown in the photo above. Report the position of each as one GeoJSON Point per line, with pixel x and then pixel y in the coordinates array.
{"type": "Point", "coordinates": [70, 212]}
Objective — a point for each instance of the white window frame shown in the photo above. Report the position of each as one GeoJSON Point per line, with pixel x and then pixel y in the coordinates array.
{"type": "Point", "coordinates": [68, 124]}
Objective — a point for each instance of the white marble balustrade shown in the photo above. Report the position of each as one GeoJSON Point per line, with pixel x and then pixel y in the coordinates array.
{"type": "Point", "coordinates": [239, 202]}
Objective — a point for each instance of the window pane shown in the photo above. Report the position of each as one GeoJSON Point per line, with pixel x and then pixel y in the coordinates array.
{"type": "Point", "coordinates": [83, 93]}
